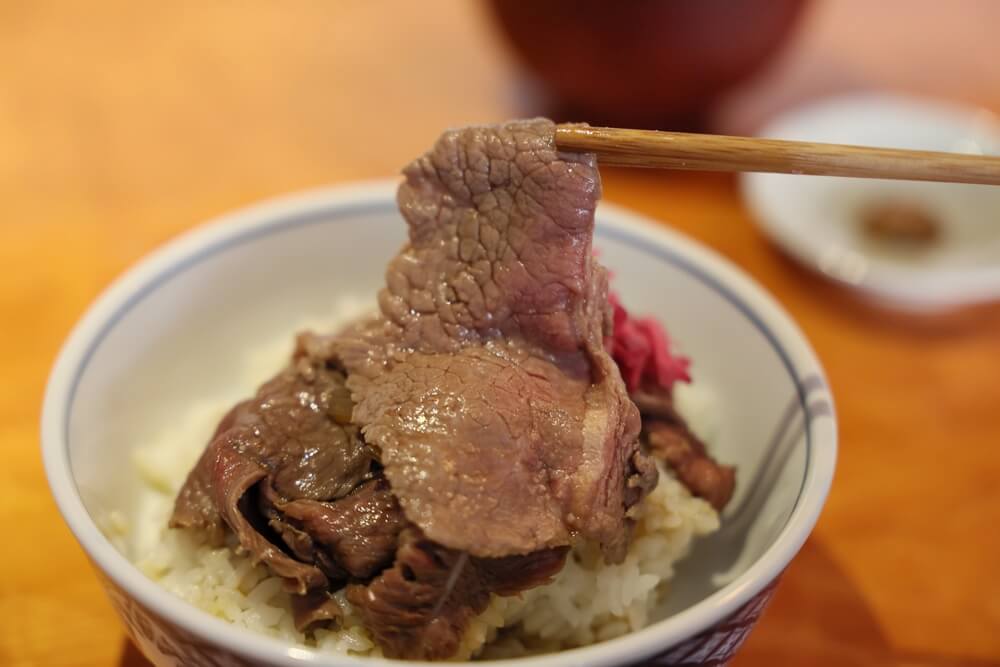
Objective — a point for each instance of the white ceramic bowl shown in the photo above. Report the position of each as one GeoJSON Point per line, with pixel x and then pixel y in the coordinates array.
{"type": "Point", "coordinates": [815, 218]}
{"type": "Point", "coordinates": [174, 330]}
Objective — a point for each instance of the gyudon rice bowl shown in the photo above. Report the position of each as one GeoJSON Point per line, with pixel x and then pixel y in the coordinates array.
{"type": "Point", "coordinates": [488, 456]}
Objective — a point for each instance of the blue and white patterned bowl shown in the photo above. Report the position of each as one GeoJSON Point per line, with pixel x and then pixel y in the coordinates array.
{"type": "Point", "coordinates": [171, 330]}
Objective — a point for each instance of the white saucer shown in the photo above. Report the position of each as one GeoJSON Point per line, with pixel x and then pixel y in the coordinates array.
{"type": "Point", "coordinates": [815, 218]}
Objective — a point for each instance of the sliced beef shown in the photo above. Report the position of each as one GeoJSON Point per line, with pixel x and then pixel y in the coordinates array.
{"type": "Point", "coordinates": [194, 506]}
{"type": "Point", "coordinates": [358, 532]}
{"type": "Point", "coordinates": [503, 425]}
{"type": "Point", "coordinates": [667, 435]}
{"type": "Point", "coordinates": [234, 475]}
{"type": "Point", "coordinates": [512, 575]}
{"type": "Point", "coordinates": [642, 477]}
{"type": "Point", "coordinates": [419, 609]}
{"type": "Point", "coordinates": [313, 609]}
{"type": "Point", "coordinates": [296, 541]}
{"type": "Point", "coordinates": [292, 442]}
{"type": "Point", "coordinates": [298, 427]}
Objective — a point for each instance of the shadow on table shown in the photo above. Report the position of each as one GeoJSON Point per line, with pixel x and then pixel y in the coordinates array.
{"type": "Point", "coordinates": [131, 657]}
{"type": "Point", "coordinates": [818, 617]}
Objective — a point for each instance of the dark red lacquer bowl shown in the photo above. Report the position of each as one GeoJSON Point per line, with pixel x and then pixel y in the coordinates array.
{"type": "Point", "coordinates": [644, 62]}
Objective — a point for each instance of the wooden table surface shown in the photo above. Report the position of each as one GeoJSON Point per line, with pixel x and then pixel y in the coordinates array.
{"type": "Point", "coordinates": [123, 123]}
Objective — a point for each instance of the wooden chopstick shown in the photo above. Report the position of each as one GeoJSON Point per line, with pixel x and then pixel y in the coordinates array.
{"type": "Point", "coordinates": [709, 152]}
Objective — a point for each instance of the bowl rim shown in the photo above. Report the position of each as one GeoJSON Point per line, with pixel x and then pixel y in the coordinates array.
{"type": "Point", "coordinates": [916, 288]}
{"type": "Point", "coordinates": [253, 221]}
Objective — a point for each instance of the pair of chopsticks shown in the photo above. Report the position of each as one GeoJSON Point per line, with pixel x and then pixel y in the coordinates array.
{"type": "Point", "coordinates": [708, 152]}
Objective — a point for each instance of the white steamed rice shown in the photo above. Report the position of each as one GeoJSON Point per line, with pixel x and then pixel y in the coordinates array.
{"type": "Point", "coordinates": [588, 601]}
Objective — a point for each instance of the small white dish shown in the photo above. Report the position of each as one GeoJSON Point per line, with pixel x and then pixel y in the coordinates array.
{"type": "Point", "coordinates": [816, 219]}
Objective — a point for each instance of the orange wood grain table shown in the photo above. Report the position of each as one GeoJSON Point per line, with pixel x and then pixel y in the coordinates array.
{"type": "Point", "coordinates": [124, 123]}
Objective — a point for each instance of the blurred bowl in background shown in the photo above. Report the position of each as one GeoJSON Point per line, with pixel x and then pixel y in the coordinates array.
{"type": "Point", "coordinates": [936, 245]}
{"type": "Point", "coordinates": [644, 62]}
